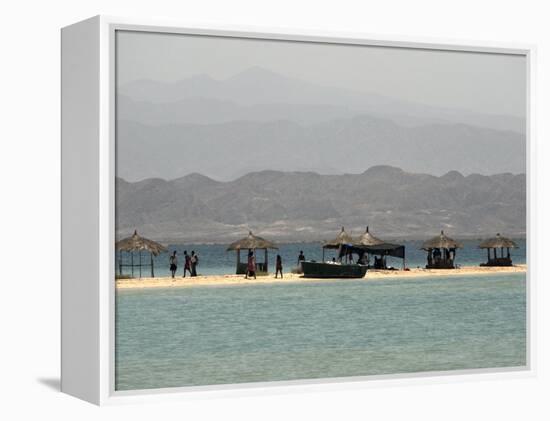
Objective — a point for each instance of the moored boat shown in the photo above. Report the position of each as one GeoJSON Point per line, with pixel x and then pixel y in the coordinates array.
{"type": "Point", "coordinates": [333, 270]}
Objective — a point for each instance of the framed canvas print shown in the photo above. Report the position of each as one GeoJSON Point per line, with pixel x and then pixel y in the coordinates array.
{"type": "Point", "coordinates": [245, 209]}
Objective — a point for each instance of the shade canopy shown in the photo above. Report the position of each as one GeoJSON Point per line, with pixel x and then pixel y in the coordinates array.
{"type": "Point", "coordinates": [367, 239]}
{"type": "Point", "coordinates": [382, 249]}
{"type": "Point", "coordinates": [251, 242]}
{"type": "Point", "coordinates": [139, 243]}
{"type": "Point", "coordinates": [441, 241]}
{"type": "Point", "coordinates": [497, 242]}
{"type": "Point", "coordinates": [342, 238]}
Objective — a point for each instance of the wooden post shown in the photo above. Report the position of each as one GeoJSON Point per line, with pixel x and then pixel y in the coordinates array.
{"type": "Point", "coordinates": [488, 255]}
{"type": "Point", "coordinates": [140, 264]}
{"type": "Point", "coordinates": [152, 267]}
{"type": "Point", "coordinates": [495, 253]}
{"type": "Point", "coordinates": [238, 260]}
{"type": "Point", "coordinates": [132, 262]}
{"type": "Point", "coordinates": [120, 262]}
{"type": "Point", "coordinates": [266, 266]}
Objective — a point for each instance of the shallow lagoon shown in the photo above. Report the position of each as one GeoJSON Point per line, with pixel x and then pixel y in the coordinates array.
{"type": "Point", "coordinates": [231, 334]}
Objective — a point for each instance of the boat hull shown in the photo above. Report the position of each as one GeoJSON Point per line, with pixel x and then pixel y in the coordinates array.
{"type": "Point", "coordinates": [331, 270]}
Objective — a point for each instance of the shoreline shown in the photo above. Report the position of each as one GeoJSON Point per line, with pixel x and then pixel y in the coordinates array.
{"type": "Point", "coordinates": [290, 278]}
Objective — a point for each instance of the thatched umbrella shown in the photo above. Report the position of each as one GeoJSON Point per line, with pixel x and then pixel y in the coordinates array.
{"type": "Point", "coordinates": [139, 244]}
{"type": "Point", "coordinates": [441, 241]}
{"type": "Point", "coordinates": [376, 246]}
{"type": "Point", "coordinates": [342, 238]}
{"type": "Point", "coordinates": [251, 242]}
{"type": "Point", "coordinates": [367, 239]}
{"type": "Point", "coordinates": [495, 243]}
{"type": "Point", "coordinates": [438, 244]}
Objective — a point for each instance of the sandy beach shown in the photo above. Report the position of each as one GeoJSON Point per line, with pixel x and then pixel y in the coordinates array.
{"type": "Point", "coordinates": [179, 281]}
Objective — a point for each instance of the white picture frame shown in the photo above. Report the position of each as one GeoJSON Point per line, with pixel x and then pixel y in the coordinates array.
{"type": "Point", "coordinates": [88, 235]}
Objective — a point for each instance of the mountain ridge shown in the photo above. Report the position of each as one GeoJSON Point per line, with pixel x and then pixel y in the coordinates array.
{"type": "Point", "coordinates": [302, 206]}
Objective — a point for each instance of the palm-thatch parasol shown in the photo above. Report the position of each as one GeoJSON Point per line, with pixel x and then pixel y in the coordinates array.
{"type": "Point", "coordinates": [139, 244]}
{"type": "Point", "coordinates": [495, 243]}
{"type": "Point", "coordinates": [342, 238]}
{"type": "Point", "coordinates": [251, 242]}
{"type": "Point", "coordinates": [367, 239]}
{"type": "Point", "coordinates": [441, 241]}
{"type": "Point", "coordinates": [444, 251]}
{"type": "Point", "coordinates": [376, 246]}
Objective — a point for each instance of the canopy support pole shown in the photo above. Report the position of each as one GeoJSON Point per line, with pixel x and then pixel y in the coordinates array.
{"type": "Point", "coordinates": [152, 266]}
{"type": "Point", "coordinates": [132, 262]}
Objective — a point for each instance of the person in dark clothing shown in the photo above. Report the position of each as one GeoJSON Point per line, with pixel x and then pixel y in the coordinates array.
{"type": "Point", "coordinates": [194, 262]}
{"type": "Point", "coordinates": [278, 266]}
{"type": "Point", "coordinates": [301, 258]}
{"type": "Point", "coordinates": [187, 264]}
{"type": "Point", "coordinates": [173, 263]}
{"type": "Point", "coordinates": [251, 266]}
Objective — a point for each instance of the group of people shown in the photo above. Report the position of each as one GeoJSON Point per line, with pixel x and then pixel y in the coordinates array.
{"type": "Point", "coordinates": [251, 264]}
{"type": "Point", "coordinates": [435, 255]}
{"type": "Point", "coordinates": [190, 263]}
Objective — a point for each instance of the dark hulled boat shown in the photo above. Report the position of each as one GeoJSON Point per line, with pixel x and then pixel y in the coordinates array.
{"type": "Point", "coordinates": [333, 270]}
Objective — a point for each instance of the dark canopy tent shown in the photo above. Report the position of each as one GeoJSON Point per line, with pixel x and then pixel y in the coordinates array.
{"type": "Point", "coordinates": [382, 249]}
{"type": "Point", "coordinates": [370, 244]}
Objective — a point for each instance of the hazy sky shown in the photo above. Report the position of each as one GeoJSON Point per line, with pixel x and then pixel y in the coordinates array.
{"type": "Point", "coordinates": [487, 83]}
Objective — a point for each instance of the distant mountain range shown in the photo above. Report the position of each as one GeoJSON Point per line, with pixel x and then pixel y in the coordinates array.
{"type": "Point", "coordinates": [259, 94]}
{"type": "Point", "coordinates": [297, 206]}
{"type": "Point", "coordinates": [259, 120]}
{"type": "Point", "coordinates": [226, 151]}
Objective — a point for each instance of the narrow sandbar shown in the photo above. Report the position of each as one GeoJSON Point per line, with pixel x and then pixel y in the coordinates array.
{"type": "Point", "coordinates": [179, 281]}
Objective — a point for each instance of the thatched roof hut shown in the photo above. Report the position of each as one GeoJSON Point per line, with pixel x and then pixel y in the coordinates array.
{"type": "Point", "coordinates": [367, 239]}
{"type": "Point", "coordinates": [441, 241]}
{"type": "Point", "coordinates": [497, 242]}
{"type": "Point", "coordinates": [139, 243]}
{"type": "Point", "coordinates": [253, 243]}
{"type": "Point", "coordinates": [342, 238]}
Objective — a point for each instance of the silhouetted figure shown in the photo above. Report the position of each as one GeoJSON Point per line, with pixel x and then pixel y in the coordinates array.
{"type": "Point", "coordinates": [187, 264]}
{"type": "Point", "coordinates": [173, 263]}
{"type": "Point", "coordinates": [278, 266]}
{"type": "Point", "coordinates": [194, 262]}
{"type": "Point", "coordinates": [251, 266]}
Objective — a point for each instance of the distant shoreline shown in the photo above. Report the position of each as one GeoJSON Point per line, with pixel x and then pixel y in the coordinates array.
{"type": "Point", "coordinates": [290, 278]}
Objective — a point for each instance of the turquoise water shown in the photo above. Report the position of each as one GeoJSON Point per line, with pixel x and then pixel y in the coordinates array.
{"type": "Point", "coordinates": [215, 260]}
{"type": "Point", "coordinates": [232, 334]}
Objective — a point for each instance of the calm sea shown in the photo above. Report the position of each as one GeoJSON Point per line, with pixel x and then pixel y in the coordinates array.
{"type": "Point", "coordinates": [215, 260]}
{"type": "Point", "coordinates": [231, 334]}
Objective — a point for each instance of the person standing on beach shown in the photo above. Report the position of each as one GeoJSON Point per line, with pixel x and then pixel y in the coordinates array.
{"type": "Point", "coordinates": [301, 258]}
{"type": "Point", "coordinates": [278, 266]}
{"type": "Point", "coordinates": [251, 267]}
{"type": "Point", "coordinates": [173, 263]}
{"type": "Point", "coordinates": [187, 264]}
{"type": "Point", "coordinates": [194, 263]}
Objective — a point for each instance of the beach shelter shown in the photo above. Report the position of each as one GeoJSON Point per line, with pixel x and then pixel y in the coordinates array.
{"type": "Point", "coordinates": [494, 244]}
{"type": "Point", "coordinates": [252, 243]}
{"type": "Point", "coordinates": [377, 247]}
{"type": "Point", "coordinates": [343, 238]}
{"type": "Point", "coordinates": [441, 251]}
{"type": "Point", "coordinates": [138, 244]}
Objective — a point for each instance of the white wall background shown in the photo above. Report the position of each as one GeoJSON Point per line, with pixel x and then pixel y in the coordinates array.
{"type": "Point", "coordinates": [29, 207]}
